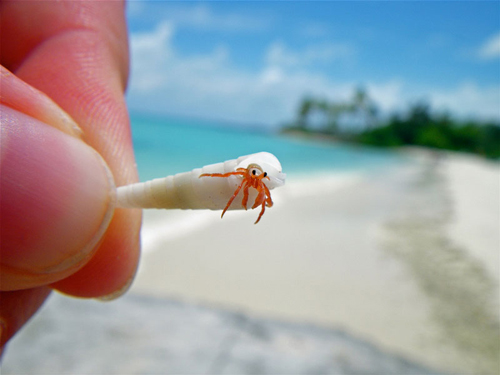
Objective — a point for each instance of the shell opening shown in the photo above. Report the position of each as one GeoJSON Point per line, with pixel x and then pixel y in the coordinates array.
{"type": "Point", "coordinates": [269, 164]}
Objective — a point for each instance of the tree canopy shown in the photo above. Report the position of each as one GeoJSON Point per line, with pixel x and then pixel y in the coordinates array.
{"type": "Point", "coordinates": [357, 120]}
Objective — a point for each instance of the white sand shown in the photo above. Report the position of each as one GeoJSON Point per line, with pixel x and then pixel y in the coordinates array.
{"type": "Point", "coordinates": [475, 187]}
{"type": "Point", "coordinates": [320, 254]}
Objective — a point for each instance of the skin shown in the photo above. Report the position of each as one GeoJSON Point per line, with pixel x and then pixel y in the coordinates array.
{"type": "Point", "coordinates": [65, 143]}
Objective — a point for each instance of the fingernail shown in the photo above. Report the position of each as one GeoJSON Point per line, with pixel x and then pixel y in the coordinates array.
{"type": "Point", "coordinates": [57, 201]}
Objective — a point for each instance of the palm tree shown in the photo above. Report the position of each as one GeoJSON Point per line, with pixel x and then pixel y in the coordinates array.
{"type": "Point", "coordinates": [363, 106]}
{"type": "Point", "coordinates": [305, 108]}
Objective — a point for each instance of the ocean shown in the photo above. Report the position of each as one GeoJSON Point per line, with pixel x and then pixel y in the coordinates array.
{"type": "Point", "coordinates": [371, 240]}
{"type": "Point", "coordinates": [168, 145]}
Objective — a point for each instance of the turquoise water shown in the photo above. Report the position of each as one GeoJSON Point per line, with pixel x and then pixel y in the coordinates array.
{"type": "Point", "coordinates": [165, 146]}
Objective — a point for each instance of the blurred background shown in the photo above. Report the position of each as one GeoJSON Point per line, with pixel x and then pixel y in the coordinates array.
{"type": "Point", "coordinates": [381, 254]}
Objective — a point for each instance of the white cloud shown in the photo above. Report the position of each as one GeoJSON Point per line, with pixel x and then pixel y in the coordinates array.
{"type": "Point", "coordinates": [280, 55]}
{"type": "Point", "coordinates": [150, 51]}
{"type": "Point", "coordinates": [272, 76]}
{"type": "Point", "coordinates": [210, 86]}
{"type": "Point", "coordinates": [469, 100]}
{"type": "Point", "coordinates": [490, 49]}
{"type": "Point", "coordinates": [387, 95]}
{"type": "Point", "coordinates": [200, 16]}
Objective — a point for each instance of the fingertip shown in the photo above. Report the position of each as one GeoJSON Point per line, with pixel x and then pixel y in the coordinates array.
{"type": "Point", "coordinates": [56, 202]}
{"type": "Point", "coordinates": [112, 269]}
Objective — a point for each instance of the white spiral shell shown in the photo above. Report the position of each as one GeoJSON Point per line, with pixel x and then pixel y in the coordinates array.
{"type": "Point", "coordinates": [188, 191]}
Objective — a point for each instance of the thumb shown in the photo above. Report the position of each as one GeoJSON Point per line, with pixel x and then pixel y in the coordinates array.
{"type": "Point", "coordinates": [57, 199]}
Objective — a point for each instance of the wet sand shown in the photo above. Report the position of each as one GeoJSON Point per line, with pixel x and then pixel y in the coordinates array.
{"type": "Point", "coordinates": [147, 335]}
{"type": "Point", "coordinates": [401, 258]}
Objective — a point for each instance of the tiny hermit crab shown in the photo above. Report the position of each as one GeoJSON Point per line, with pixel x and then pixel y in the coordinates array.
{"type": "Point", "coordinates": [253, 176]}
{"type": "Point", "coordinates": [213, 187]}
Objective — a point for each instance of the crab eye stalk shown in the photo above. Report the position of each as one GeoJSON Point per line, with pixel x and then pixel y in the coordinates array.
{"type": "Point", "coordinates": [254, 169]}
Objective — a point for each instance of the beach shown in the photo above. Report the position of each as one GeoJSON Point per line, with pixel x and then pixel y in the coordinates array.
{"type": "Point", "coordinates": [390, 270]}
{"type": "Point", "coordinates": [405, 257]}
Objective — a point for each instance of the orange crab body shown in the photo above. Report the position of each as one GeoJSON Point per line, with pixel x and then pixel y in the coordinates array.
{"type": "Point", "coordinates": [252, 177]}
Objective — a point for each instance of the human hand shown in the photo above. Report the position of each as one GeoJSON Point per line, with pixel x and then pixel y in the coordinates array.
{"type": "Point", "coordinates": [56, 190]}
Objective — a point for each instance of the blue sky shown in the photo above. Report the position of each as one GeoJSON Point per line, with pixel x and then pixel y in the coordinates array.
{"type": "Point", "coordinates": [252, 62]}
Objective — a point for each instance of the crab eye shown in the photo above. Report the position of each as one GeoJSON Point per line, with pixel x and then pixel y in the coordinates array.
{"type": "Point", "coordinates": [254, 170]}
{"type": "Point", "coordinates": [265, 174]}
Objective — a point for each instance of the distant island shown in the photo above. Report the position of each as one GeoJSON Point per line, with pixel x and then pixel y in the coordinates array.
{"type": "Point", "coordinates": [357, 121]}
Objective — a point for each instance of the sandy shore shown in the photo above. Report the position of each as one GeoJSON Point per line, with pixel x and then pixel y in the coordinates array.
{"type": "Point", "coordinates": [394, 257]}
{"type": "Point", "coordinates": [148, 335]}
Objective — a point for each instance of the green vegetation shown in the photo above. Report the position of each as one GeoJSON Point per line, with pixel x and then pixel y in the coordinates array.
{"type": "Point", "coordinates": [357, 121]}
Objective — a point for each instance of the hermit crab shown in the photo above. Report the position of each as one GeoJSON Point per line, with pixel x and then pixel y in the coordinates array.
{"type": "Point", "coordinates": [223, 186]}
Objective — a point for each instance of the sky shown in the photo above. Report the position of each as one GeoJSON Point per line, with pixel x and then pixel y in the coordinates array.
{"type": "Point", "coordinates": [251, 62]}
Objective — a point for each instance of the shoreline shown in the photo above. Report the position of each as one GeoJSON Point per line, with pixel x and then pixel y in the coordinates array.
{"type": "Point", "coordinates": [320, 256]}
